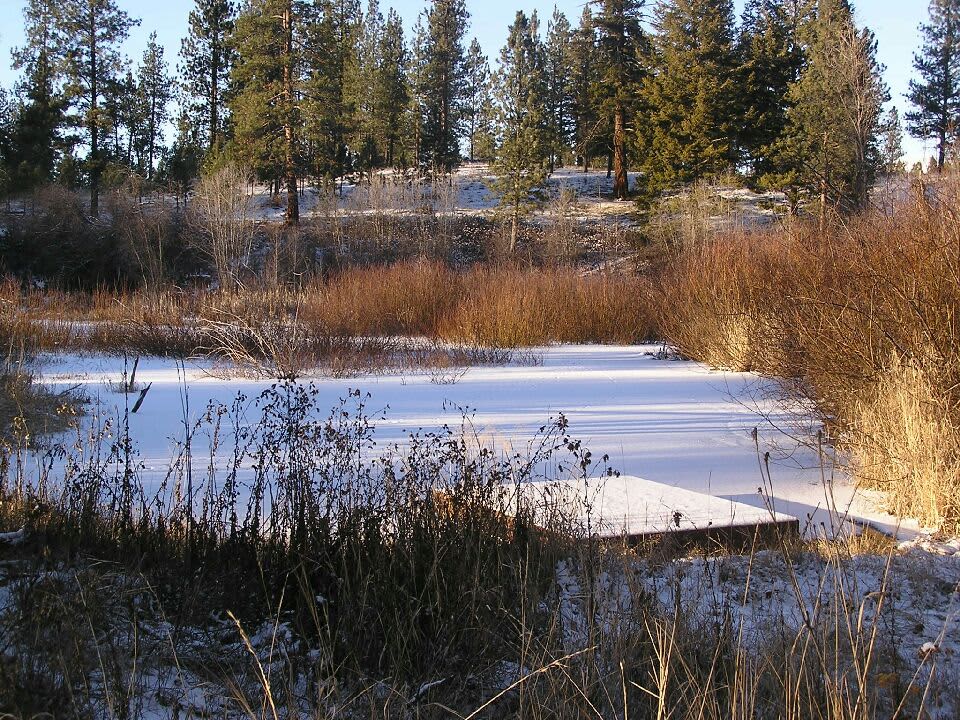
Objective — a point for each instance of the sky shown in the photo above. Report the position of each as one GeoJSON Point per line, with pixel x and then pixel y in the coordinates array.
{"type": "Point", "coordinates": [895, 23]}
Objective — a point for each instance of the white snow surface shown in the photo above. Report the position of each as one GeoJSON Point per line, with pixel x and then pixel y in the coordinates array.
{"type": "Point", "coordinates": [670, 421]}
{"type": "Point", "coordinates": [629, 506]}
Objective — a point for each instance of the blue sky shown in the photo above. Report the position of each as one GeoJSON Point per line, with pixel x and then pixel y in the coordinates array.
{"type": "Point", "coordinates": [895, 23]}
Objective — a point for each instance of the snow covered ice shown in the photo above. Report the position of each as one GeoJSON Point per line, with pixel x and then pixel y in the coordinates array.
{"type": "Point", "coordinates": [668, 421]}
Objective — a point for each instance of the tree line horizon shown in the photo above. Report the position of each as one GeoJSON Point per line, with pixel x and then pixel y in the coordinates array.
{"type": "Point", "coordinates": [790, 96]}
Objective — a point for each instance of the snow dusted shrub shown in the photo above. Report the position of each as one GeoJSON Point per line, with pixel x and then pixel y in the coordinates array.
{"type": "Point", "coordinates": [55, 240]}
{"type": "Point", "coordinates": [220, 222]}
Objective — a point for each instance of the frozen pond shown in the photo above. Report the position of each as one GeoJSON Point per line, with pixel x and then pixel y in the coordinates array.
{"type": "Point", "coordinates": [669, 421]}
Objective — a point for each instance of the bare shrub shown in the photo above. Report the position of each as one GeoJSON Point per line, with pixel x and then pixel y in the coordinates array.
{"type": "Point", "coordinates": [220, 222]}
{"type": "Point", "coordinates": [55, 240]}
{"type": "Point", "coordinates": [145, 234]}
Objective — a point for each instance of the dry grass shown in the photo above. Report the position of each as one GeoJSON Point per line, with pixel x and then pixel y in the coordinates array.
{"type": "Point", "coordinates": [864, 320]}
{"type": "Point", "coordinates": [484, 307]}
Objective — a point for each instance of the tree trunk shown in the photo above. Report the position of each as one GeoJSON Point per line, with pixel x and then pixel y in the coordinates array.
{"type": "Point", "coordinates": [214, 99]}
{"type": "Point", "coordinates": [152, 131]}
{"type": "Point", "coordinates": [289, 168]}
{"type": "Point", "coordinates": [942, 150]}
{"type": "Point", "coordinates": [92, 119]}
{"type": "Point", "coordinates": [620, 182]}
{"type": "Point", "coordinates": [513, 232]}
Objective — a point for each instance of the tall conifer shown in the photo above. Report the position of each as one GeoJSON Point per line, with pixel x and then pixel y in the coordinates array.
{"type": "Point", "coordinates": [442, 83]}
{"type": "Point", "coordinates": [522, 150]}
{"type": "Point", "coordinates": [206, 59]}
{"type": "Point", "coordinates": [91, 32]}
{"type": "Point", "coordinates": [691, 94]}
{"type": "Point", "coordinates": [935, 91]}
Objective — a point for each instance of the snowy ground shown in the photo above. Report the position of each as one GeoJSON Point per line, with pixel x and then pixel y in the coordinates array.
{"type": "Point", "coordinates": [468, 193]}
{"type": "Point", "coordinates": [767, 598]}
{"type": "Point", "coordinates": [669, 421]}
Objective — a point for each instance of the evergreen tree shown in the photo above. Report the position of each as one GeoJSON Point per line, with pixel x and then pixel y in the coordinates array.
{"type": "Point", "coordinates": [619, 47]}
{"type": "Point", "coordinates": [935, 93]}
{"type": "Point", "coordinates": [391, 94]}
{"type": "Point", "coordinates": [442, 78]}
{"type": "Point", "coordinates": [361, 89]}
{"type": "Point", "coordinates": [207, 58]}
{"type": "Point", "coordinates": [91, 32]}
{"type": "Point", "coordinates": [35, 140]}
{"type": "Point", "coordinates": [476, 93]}
{"type": "Point", "coordinates": [418, 86]}
{"type": "Point", "coordinates": [558, 71]}
{"type": "Point", "coordinates": [126, 108]}
{"type": "Point", "coordinates": [6, 127]}
{"type": "Point", "coordinates": [830, 147]}
{"type": "Point", "coordinates": [485, 135]}
{"type": "Point", "coordinates": [329, 113]}
{"type": "Point", "coordinates": [182, 164]}
{"type": "Point", "coordinates": [691, 95]}
{"type": "Point", "coordinates": [265, 107]}
{"type": "Point", "coordinates": [583, 61]}
{"type": "Point", "coordinates": [771, 61]}
{"type": "Point", "coordinates": [891, 147]}
{"type": "Point", "coordinates": [154, 85]}
{"type": "Point", "coordinates": [520, 164]}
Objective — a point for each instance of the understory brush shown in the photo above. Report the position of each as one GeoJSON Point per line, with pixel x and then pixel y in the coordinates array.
{"type": "Point", "coordinates": [289, 567]}
{"type": "Point", "coordinates": [863, 320]}
{"type": "Point", "coordinates": [352, 314]}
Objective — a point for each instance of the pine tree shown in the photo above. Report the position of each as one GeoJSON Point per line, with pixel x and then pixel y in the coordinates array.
{"type": "Point", "coordinates": [391, 93]}
{"type": "Point", "coordinates": [442, 78]}
{"type": "Point", "coordinates": [265, 107]}
{"type": "Point", "coordinates": [361, 89]}
{"type": "Point", "coordinates": [485, 136]}
{"type": "Point", "coordinates": [182, 164]}
{"type": "Point", "coordinates": [891, 147]}
{"type": "Point", "coordinates": [91, 32]}
{"type": "Point", "coordinates": [691, 94]}
{"type": "Point", "coordinates": [127, 109]}
{"type": "Point", "coordinates": [154, 87]}
{"type": "Point", "coordinates": [558, 72]}
{"type": "Point", "coordinates": [583, 60]}
{"type": "Point", "coordinates": [520, 164]}
{"type": "Point", "coordinates": [476, 93]}
{"type": "Point", "coordinates": [619, 46]}
{"type": "Point", "coordinates": [206, 60]}
{"type": "Point", "coordinates": [771, 61]}
{"type": "Point", "coordinates": [830, 147]}
{"type": "Point", "coordinates": [329, 41]}
{"type": "Point", "coordinates": [35, 140]}
{"type": "Point", "coordinates": [936, 92]}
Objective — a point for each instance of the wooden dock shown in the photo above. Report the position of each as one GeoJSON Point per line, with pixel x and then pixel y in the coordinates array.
{"type": "Point", "coordinates": [636, 510]}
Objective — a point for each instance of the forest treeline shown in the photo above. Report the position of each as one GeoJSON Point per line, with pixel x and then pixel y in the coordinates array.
{"type": "Point", "coordinates": [790, 96]}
